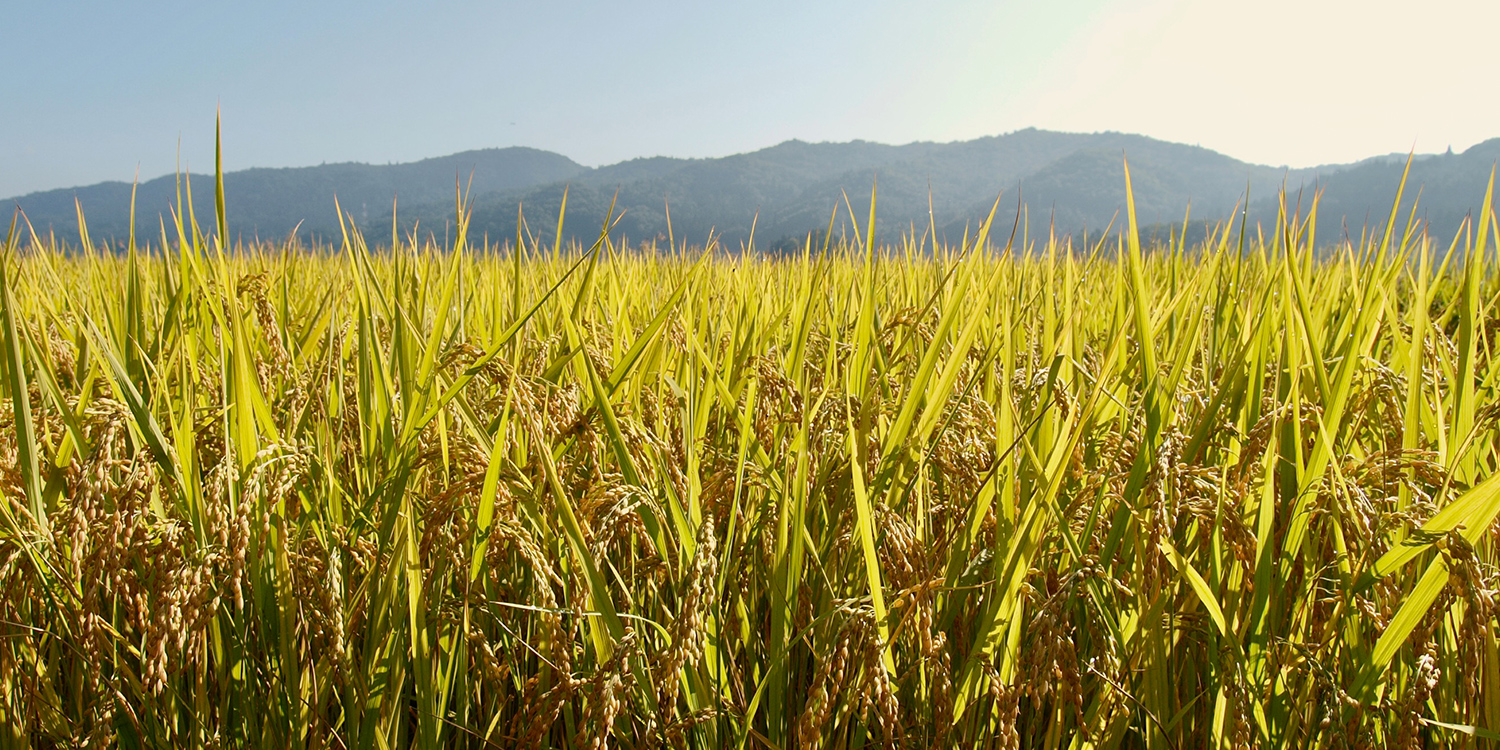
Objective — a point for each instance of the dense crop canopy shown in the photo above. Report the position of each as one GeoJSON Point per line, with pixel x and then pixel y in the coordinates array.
{"type": "Point", "coordinates": [992, 492]}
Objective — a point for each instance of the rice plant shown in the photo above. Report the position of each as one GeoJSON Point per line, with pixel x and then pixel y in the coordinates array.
{"type": "Point", "coordinates": [993, 493]}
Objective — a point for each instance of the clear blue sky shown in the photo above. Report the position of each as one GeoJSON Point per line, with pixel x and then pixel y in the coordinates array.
{"type": "Point", "coordinates": [94, 91]}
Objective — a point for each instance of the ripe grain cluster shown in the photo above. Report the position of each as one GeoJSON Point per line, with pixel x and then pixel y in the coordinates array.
{"type": "Point", "coordinates": [995, 493]}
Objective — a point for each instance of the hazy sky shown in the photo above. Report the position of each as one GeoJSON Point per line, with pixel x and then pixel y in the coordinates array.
{"type": "Point", "coordinates": [92, 90]}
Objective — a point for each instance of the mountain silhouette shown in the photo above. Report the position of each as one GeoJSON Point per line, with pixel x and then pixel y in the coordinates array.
{"type": "Point", "coordinates": [270, 203]}
{"type": "Point", "coordinates": [1067, 181]}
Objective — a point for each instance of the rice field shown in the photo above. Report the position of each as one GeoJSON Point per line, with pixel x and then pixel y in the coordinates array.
{"type": "Point", "coordinates": [1002, 493]}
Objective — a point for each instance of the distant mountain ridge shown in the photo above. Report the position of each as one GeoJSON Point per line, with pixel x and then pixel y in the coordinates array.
{"type": "Point", "coordinates": [794, 187]}
{"type": "Point", "coordinates": [1071, 181]}
{"type": "Point", "coordinates": [270, 203]}
{"type": "Point", "coordinates": [1445, 189]}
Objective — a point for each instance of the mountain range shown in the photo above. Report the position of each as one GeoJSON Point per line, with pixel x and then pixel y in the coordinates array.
{"type": "Point", "coordinates": [1071, 181]}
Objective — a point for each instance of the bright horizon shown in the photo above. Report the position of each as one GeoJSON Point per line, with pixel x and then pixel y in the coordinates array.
{"type": "Point", "coordinates": [98, 92]}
